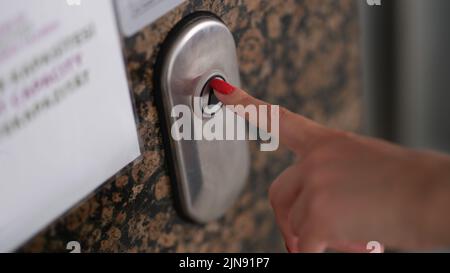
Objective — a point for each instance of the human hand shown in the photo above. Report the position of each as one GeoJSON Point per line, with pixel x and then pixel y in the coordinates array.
{"type": "Point", "coordinates": [346, 190]}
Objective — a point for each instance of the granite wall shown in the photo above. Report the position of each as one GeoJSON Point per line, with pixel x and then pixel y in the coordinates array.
{"type": "Point", "coordinates": [301, 54]}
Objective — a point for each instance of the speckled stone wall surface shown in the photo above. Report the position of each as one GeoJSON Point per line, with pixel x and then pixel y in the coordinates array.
{"type": "Point", "coordinates": [301, 54]}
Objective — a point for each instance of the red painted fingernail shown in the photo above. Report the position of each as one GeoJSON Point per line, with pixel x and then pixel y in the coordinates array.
{"type": "Point", "coordinates": [222, 86]}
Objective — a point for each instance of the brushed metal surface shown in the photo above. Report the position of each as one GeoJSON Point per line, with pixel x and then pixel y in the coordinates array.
{"type": "Point", "coordinates": [209, 174]}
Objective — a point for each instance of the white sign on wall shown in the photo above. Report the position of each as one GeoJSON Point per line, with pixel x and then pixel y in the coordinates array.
{"type": "Point", "coordinates": [66, 117]}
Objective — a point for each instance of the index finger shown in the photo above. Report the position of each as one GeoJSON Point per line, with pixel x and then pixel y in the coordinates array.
{"type": "Point", "coordinates": [295, 131]}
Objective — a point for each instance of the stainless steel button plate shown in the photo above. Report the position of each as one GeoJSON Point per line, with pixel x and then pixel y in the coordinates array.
{"type": "Point", "coordinates": [209, 174]}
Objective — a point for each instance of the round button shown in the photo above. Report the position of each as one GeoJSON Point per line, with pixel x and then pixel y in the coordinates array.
{"type": "Point", "coordinates": [209, 102]}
